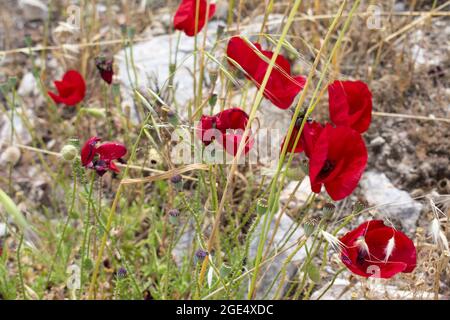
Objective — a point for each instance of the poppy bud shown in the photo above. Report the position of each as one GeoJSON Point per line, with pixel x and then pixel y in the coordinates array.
{"type": "Point", "coordinates": [213, 74]}
{"type": "Point", "coordinates": [261, 206]}
{"type": "Point", "coordinates": [220, 30]}
{"type": "Point", "coordinates": [98, 113]}
{"type": "Point", "coordinates": [200, 255]}
{"type": "Point", "coordinates": [173, 216]}
{"type": "Point", "coordinates": [212, 100]}
{"type": "Point", "coordinates": [10, 156]}
{"type": "Point", "coordinates": [69, 152]}
{"type": "Point", "coordinates": [172, 68]}
{"type": "Point", "coordinates": [105, 67]}
{"type": "Point", "coordinates": [328, 210]}
{"type": "Point", "coordinates": [296, 174]}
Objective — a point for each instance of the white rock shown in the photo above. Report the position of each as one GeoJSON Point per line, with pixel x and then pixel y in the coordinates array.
{"type": "Point", "coordinates": [374, 289]}
{"type": "Point", "coordinates": [28, 86]}
{"type": "Point", "coordinates": [2, 230]}
{"type": "Point", "coordinates": [21, 135]}
{"type": "Point", "coordinates": [34, 9]}
{"type": "Point", "coordinates": [393, 203]}
{"type": "Point", "coordinates": [300, 196]}
{"type": "Point", "coordinates": [152, 59]}
{"type": "Point", "coordinates": [184, 246]}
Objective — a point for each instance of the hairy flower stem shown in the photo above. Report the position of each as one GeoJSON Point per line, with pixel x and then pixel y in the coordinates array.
{"type": "Point", "coordinates": [112, 211]}
{"type": "Point", "coordinates": [274, 186]}
{"type": "Point", "coordinates": [87, 222]}
{"type": "Point", "coordinates": [252, 116]}
{"type": "Point", "coordinates": [274, 195]}
{"type": "Point", "coordinates": [19, 266]}
{"type": "Point", "coordinates": [63, 233]}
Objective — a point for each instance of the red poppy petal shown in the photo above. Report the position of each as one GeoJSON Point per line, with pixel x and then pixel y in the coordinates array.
{"type": "Point", "coordinates": [184, 18]}
{"type": "Point", "coordinates": [109, 151]}
{"type": "Point", "coordinates": [71, 90]}
{"type": "Point", "coordinates": [113, 167]}
{"type": "Point", "coordinates": [234, 118]}
{"type": "Point", "coordinates": [350, 104]}
{"type": "Point", "coordinates": [88, 151]}
{"type": "Point", "coordinates": [231, 141]}
{"type": "Point", "coordinates": [350, 237]}
{"type": "Point", "coordinates": [54, 97]}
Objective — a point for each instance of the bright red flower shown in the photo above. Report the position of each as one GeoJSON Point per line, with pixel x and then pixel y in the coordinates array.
{"type": "Point", "coordinates": [281, 88]}
{"type": "Point", "coordinates": [350, 104]}
{"type": "Point", "coordinates": [337, 161]}
{"type": "Point", "coordinates": [310, 133]}
{"type": "Point", "coordinates": [184, 18]}
{"type": "Point", "coordinates": [376, 250]}
{"type": "Point", "coordinates": [227, 127]}
{"type": "Point", "coordinates": [105, 68]}
{"type": "Point", "coordinates": [101, 158]}
{"type": "Point", "coordinates": [71, 89]}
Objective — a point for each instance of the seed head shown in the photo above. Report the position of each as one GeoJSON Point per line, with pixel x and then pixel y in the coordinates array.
{"type": "Point", "coordinates": [69, 152]}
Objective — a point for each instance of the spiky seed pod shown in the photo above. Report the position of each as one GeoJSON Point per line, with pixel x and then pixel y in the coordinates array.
{"type": "Point", "coordinates": [261, 206]}
{"type": "Point", "coordinates": [328, 210]}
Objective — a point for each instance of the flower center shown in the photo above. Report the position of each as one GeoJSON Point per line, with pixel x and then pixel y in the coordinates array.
{"type": "Point", "coordinates": [326, 169]}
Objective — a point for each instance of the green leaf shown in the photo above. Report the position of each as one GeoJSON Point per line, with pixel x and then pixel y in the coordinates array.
{"type": "Point", "coordinates": [13, 211]}
{"type": "Point", "coordinates": [314, 273]}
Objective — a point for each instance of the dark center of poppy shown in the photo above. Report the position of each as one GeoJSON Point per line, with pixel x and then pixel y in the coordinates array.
{"type": "Point", "coordinates": [326, 169]}
{"type": "Point", "coordinates": [361, 258]}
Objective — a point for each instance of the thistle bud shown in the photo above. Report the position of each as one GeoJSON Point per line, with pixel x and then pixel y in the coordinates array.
{"type": "Point", "coordinates": [177, 181]}
{"type": "Point", "coordinates": [173, 216]}
{"type": "Point", "coordinates": [122, 273]}
{"type": "Point", "coordinates": [69, 152]}
{"type": "Point", "coordinates": [200, 255]}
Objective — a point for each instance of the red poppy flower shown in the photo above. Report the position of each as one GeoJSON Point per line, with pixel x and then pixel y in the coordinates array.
{"type": "Point", "coordinates": [350, 104]}
{"type": "Point", "coordinates": [281, 87]}
{"type": "Point", "coordinates": [71, 89]}
{"type": "Point", "coordinates": [337, 160]}
{"type": "Point", "coordinates": [184, 18]}
{"type": "Point", "coordinates": [310, 133]}
{"type": "Point", "coordinates": [376, 250]}
{"type": "Point", "coordinates": [101, 158]}
{"type": "Point", "coordinates": [227, 127]}
{"type": "Point", "coordinates": [105, 68]}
